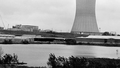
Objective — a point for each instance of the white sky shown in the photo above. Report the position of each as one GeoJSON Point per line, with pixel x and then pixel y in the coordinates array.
{"type": "Point", "coordinates": [57, 15]}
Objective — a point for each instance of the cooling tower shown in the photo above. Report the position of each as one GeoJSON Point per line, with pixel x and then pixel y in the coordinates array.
{"type": "Point", "coordinates": [85, 18]}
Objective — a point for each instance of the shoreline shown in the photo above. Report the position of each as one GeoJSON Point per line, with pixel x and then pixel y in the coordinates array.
{"type": "Point", "coordinates": [72, 44]}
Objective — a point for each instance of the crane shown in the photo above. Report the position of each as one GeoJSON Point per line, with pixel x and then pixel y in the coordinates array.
{"type": "Point", "coordinates": [2, 21]}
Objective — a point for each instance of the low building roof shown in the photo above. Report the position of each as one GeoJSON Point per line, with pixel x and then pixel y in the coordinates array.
{"type": "Point", "coordinates": [101, 37]}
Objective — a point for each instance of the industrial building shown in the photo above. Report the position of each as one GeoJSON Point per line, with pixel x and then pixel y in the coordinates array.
{"type": "Point", "coordinates": [92, 39]}
{"type": "Point", "coordinates": [26, 27]}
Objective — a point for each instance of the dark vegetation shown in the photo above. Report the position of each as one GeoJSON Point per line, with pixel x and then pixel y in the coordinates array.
{"type": "Point", "coordinates": [43, 34]}
{"type": "Point", "coordinates": [25, 42]}
{"type": "Point", "coordinates": [70, 41]}
{"type": "Point", "coordinates": [62, 34]}
{"type": "Point", "coordinates": [7, 41]}
{"type": "Point", "coordinates": [81, 62]}
{"type": "Point", "coordinates": [11, 61]}
{"type": "Point", "coordinates": [108, 34]}
{"type": "Point", "coordinates": [16, 32]}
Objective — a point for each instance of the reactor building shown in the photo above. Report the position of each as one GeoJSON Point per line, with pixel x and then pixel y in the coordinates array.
{"type": "Point", "coordinates": [85, 18]}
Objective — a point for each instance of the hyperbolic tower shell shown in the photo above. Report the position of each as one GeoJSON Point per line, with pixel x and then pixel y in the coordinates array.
{"type": "Point", "coordinates": [85, 18]}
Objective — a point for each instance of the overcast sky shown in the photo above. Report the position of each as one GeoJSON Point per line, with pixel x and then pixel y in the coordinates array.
{"type": "Point", "coordinates": [57, 15]}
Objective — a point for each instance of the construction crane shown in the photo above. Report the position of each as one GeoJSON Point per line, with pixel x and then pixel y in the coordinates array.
{"type": "Point", "coordinates": [2, 21]}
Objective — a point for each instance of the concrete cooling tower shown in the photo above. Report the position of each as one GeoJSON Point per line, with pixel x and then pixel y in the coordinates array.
{"type": "Point", "coordinates": [85, 18]}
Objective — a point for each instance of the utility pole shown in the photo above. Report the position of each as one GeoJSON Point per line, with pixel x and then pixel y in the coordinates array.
{"type": "Point", "coordinates": [117, 54]}
{"type": "Point", "coordinates": [8, 26]}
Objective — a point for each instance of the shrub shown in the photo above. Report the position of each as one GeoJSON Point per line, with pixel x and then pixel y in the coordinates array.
{"type": "Point", "coordinates": [81, 62]}
{"type": "Point", "coordinates": [7, 41]}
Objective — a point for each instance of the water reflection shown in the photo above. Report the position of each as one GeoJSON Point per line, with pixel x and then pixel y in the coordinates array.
{"type": "Point", "coordinates": [83, 51]}
{"type": "Point", "coordinates": [37, 54]}
{"type": "Point", "coordinates": [109, 52]}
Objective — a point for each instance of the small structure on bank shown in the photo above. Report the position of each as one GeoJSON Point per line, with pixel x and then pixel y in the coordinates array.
{"type": "Point", "coordinates": [94, 39]}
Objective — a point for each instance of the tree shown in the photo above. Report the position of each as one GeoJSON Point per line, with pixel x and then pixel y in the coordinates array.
{"type": "Point", "coordinates": [106, 33]}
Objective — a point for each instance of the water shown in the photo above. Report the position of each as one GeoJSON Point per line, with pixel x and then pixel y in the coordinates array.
{"type": "Point", "coordinates": [38, 54]}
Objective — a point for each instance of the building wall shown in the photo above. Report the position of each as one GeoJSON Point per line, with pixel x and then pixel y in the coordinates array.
{"type": "Point", "coordinates": [98, 40]}
{"type": "Point", "coordinates": [29, 28]}
{"type": "Point", "coordinates": [85, 19]}
{"type": "Point", "coordinates": [26, 27]}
